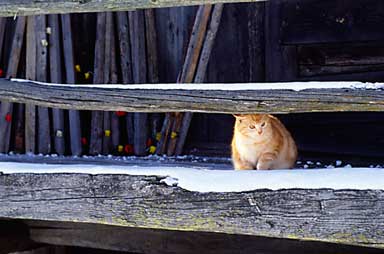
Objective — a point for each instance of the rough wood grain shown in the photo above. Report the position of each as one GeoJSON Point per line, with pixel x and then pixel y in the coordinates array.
{"type": "Point", "coordinates": [182, 100]}
{"type": "Point", "coordinates": [201, 71]}
{"type": "Point", "coordinates": [30, 110]}
{"type": "Point", "coordinates": [139, 70]}
{"type": "Point", "coordinates": [55, 59]}
{"type": "Point", "coordinates": [74, 115]}
{"type": "Point", "coordinates": [44, 133]}
{"type": "Point", "coordinates": [338, 216]}
{"type": "Point", "coordinates": [168, 241]}
{"type": "Point", "coordinates": [30, 7]}
{"type": "Point", "coordinates": [96, 140]}
{"type": "Point", "coordinates": [13, 63]}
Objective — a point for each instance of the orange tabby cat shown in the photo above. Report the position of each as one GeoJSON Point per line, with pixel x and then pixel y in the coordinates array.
{"type": "Point", "coordinates": [261, 141]}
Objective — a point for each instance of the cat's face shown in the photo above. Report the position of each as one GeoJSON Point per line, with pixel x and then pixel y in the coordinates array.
{"type": "Point", "coordinates": [253, 125]}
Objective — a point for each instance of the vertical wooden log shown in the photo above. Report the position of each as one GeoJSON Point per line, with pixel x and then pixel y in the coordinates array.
{"type": "Point", "coordinates": [3, 22]}
{"type": "Point", "coordinates": [152, 65]}
{"type": "Point", "coordinates": [200, 73]}
{"type": "Point", "coordinates": [44, 137]}
{"type": "Point", "coordinates": [281, 62]}
{"type": "Point", "coordinates": [13, 63]}
{"type": "Point", "coordinates": [97, 116]}
{"type": "Point", "coordinates": [56, 77]}
{"type": "Point", "coordinates": [74, 115]}
{"type": "Point", "coordinates": [256, 41]}
{"type": "Point", "coordinates": [30, 110]}
{"type": "Point", "coordinates": [139, 70]}
{"type": "Point", "coordinates": [189, 69]}
{"type": "Point", "coordinates": [115, 125]}
{"type": "Point", "coordinates": [107, 142]}
{"type": "Point", "coordinates": [126, 64]}
{"type": "Point", "coordinates": [187, 74]}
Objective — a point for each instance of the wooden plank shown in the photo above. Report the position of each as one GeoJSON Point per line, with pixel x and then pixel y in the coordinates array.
{"type": "Point", "coordinates": [13, 63]}
{"type": "Point", "coordinates": [55, 60]}
{"type": "Point", "coordinates": [30, 110]}
{"type": "Point", "coordinates": [280, 61]}
{"type": "Point", "coordinates": [29, 7]}
{"type": "Point", "coordinates": [43, 135]}
{"type": "Point", "coordinates": [14, 236]}
{"type": "Point", "coordinates": [256, 41]}
{"type": "Point", "coordinates": [179, 99]}
{"type": "Point", "coordinates": [74, 115]}
{"type": "Point", "coordinates": [139, 71]}
{"type": "Point", "coordinates": [200, 72]}
{"type": "Point", "coordinates": [107, 127]}
{"type": "Point", "coordinates": [96, 141]}
{"type": "Point", "coordinates": [298, 214]}
{"type": "Point", "coordinates": [125, 63]}
{"type": "Point", "coordinates": [115, 238]}
{"type": "Point", "coordinates": [115, 122]}
{"type": "Point", "coordinates": [331, 21]}
{"type": "Point", "coordinates": [186, 75]}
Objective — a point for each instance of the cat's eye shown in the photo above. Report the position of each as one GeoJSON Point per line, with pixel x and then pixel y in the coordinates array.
{"type": "Point", "coordinates": [263, 124]}
{"type": "Point", "coordinates": [252, 127]}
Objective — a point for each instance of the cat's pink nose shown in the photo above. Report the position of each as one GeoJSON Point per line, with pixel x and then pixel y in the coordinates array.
{"type": "Point", "coordinates": [259, 131]}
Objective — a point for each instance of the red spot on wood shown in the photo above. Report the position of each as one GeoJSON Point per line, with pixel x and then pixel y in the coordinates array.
{"type": "Point", "coordinates": [120, 113]}
{"type": "Point", "coordinates": [128, 149]}
{"type": "Point", "coordinates": [8, 117]}
{"type": "Point", "coordinates": [84, 141]}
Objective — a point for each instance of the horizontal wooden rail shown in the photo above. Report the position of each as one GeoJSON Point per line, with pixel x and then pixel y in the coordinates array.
{"type": "Point", "coordinates": [32, 7]}
{"type": "Point", "coordinates": [145, 202]}
{"type": "Point", "coordinates": [209, 98]}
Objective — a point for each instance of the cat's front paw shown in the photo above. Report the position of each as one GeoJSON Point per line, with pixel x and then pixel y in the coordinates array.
{"type": "Point", "coordinates": [263, 166]}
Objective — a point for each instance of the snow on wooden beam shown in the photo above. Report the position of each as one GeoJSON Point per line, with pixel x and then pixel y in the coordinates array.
{"type": "Point", "coordinates": [31, 7]}
{"type": "Point", "coordinates": [209, 98]}
{"type": "Point", "coordinates": [136, 202]}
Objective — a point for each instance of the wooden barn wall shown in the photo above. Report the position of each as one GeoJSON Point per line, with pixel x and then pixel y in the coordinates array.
{"type": "Point", "coordinates": [332, 41]}
{"type": "Point", "coordinates": [278, 40]}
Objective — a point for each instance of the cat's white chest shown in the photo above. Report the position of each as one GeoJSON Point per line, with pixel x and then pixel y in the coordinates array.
{"type": "Point", "coordinates": [248, 151]}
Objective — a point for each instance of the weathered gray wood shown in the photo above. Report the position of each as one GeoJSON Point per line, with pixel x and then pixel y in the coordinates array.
{"type": "Point", "coordinates": [30, 110]}
{"type": "Point", "coordinates": [201, 71]}
{"type": "Point", "coordinates": [13, 63]}
{"type": "Point", "coordinates": [55, 60]}
{"type": "Point", "coordinates": [44, 133]}
{"type": "Point", "coordinates": [125, 63]}
{"type": "Point", "coordinates": [29, 7]}
{"type": "Point", "coordinates": [14, 236]}
{"type": "Point", "coordinates": [96, 141]}
{"type": "Point", "coordinates": [107, 127]}
{"type": "Point", "coordinates": [338, 216]}
{"type": "Point", "coordinates": [256, 41]}
{"type": "Point", "coordinates": [168, 241]}
{"type": "Point", "coordinates": [182, 100]}
{"type": "Point", "coordinates": [74, 115]}
{"type": "Point", "coordinates": [139, 71]}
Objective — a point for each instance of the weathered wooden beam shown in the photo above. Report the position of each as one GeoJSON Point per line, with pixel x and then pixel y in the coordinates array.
{"type": "Point", "coordinates": [351, 217]}
{"type": "Point", "coordinates": [212, 98]}
{"type": "Point", "coordinates": [30, 7]}
{"type": "Point", "coordinates": [167, 241]}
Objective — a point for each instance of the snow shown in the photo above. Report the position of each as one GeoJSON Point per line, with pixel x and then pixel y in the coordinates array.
{"type": "Point", "coordinates": [201, 179]}
{"type": "Point", "coordinates": [296, 86]}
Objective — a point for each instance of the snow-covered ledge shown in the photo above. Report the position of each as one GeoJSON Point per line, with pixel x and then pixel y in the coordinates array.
{"type": "Point", "coordinates": [341, 205]}
{"type": "Point", "coordinates": [200, 179]}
